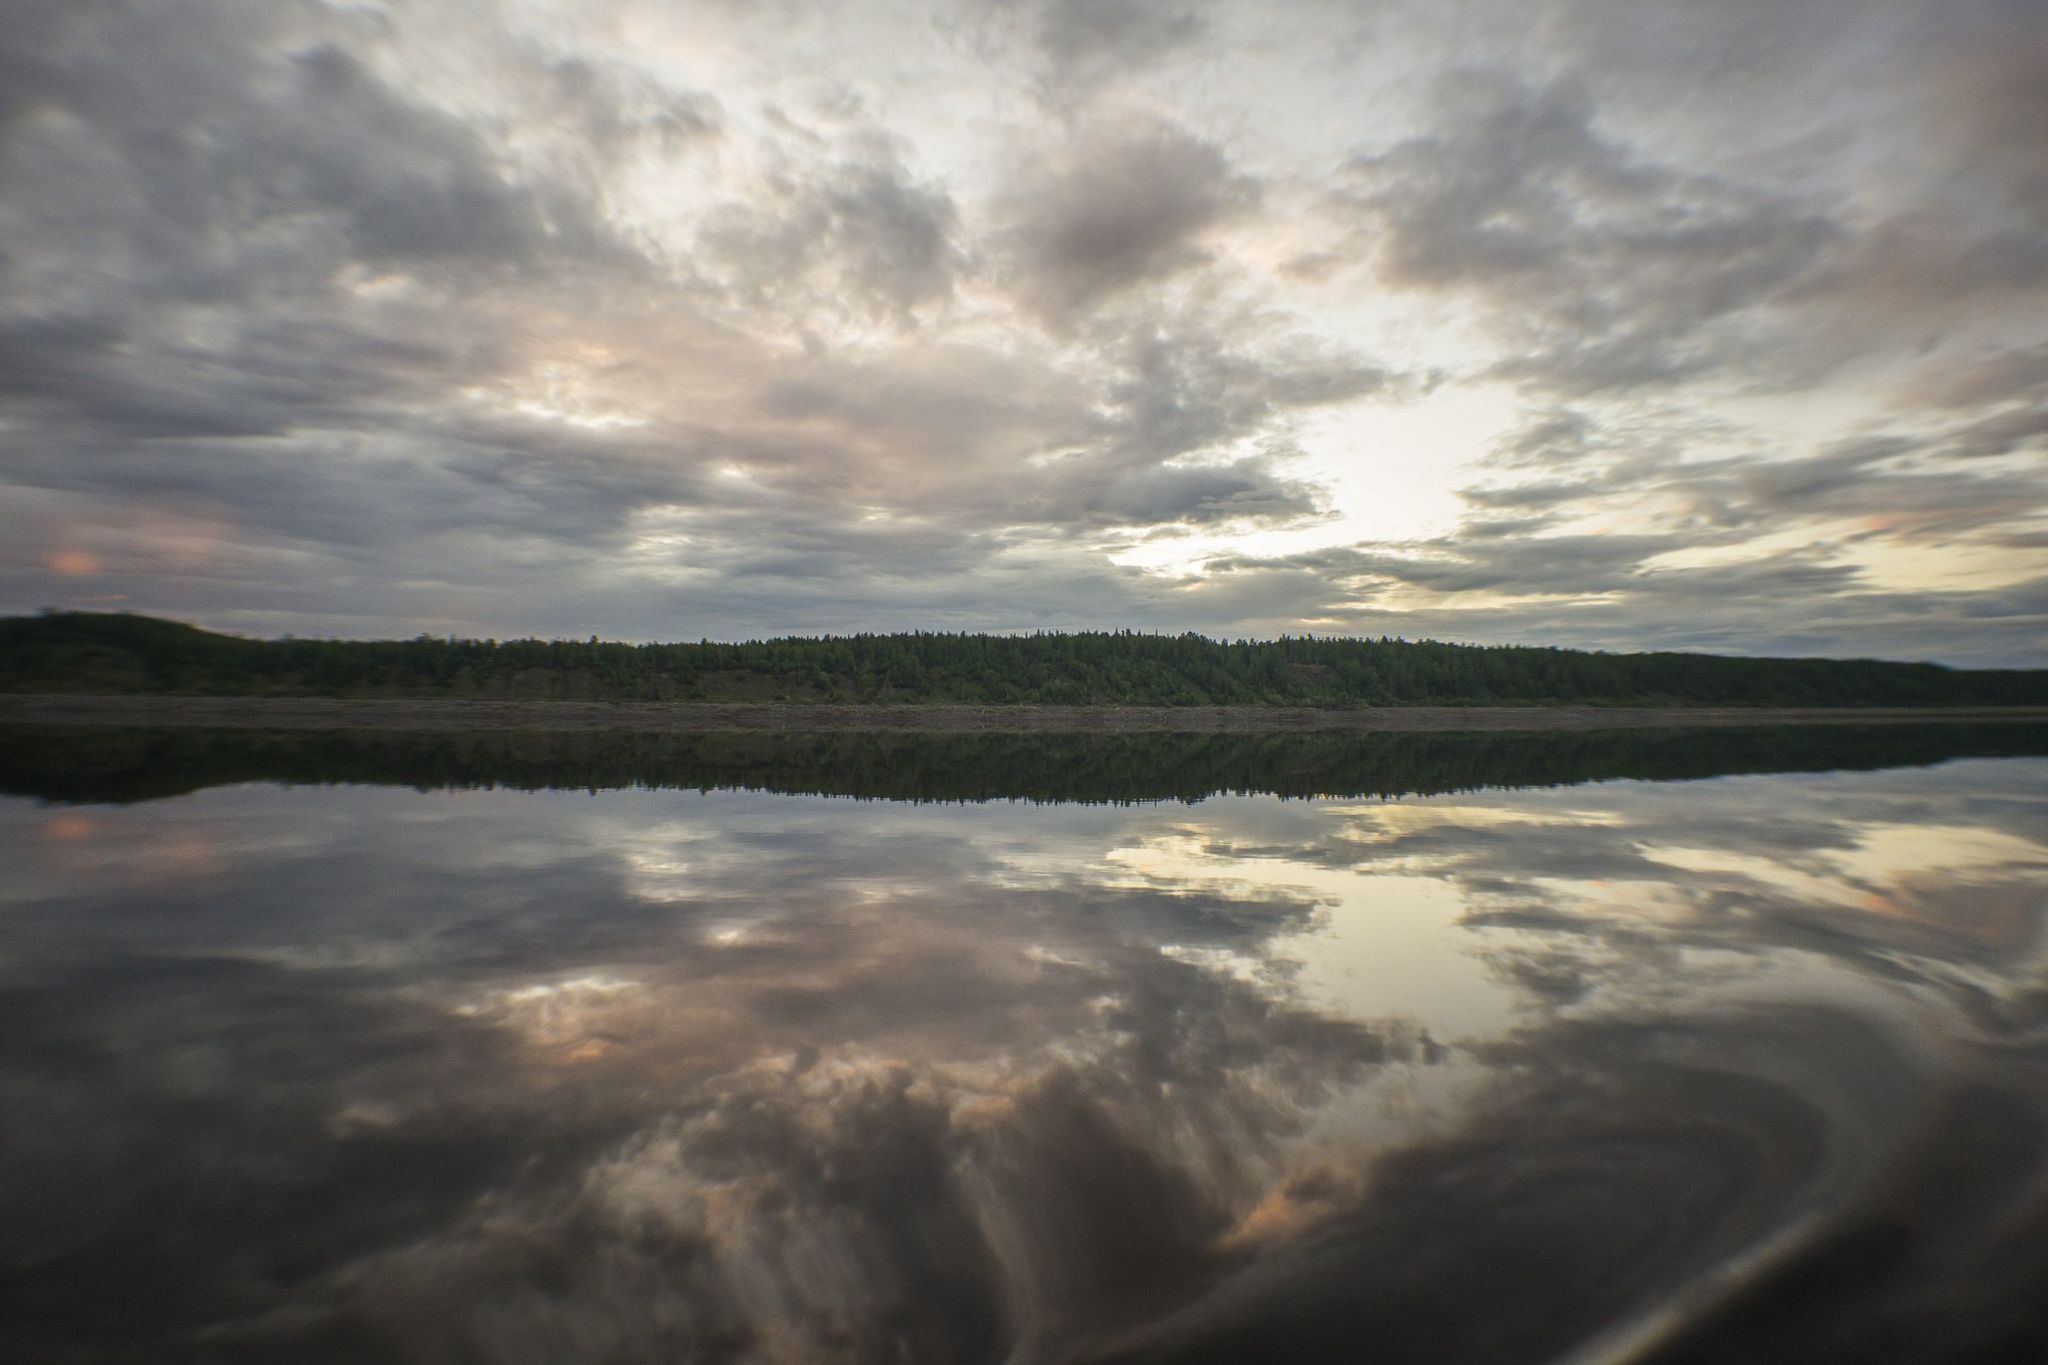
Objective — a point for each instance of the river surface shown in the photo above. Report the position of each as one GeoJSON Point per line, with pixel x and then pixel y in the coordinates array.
{"type": "Point", "coordinates": [1652, 1048]}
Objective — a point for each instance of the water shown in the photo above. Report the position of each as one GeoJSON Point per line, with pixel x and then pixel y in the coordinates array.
{"type": "Point", "coordinates": [692, 1061]}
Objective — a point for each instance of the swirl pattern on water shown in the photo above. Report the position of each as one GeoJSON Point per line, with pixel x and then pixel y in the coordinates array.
{"type": "Point", "coordinates": [1752, 1068]}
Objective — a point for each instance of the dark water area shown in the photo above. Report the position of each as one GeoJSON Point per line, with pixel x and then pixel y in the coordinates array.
{"type": "Point", "coordinates": [122, 765]}
{"type": "Point", "coordinates": [1726, 1046]}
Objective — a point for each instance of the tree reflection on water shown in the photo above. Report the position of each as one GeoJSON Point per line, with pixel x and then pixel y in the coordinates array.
{"type": "Point", "coordinates": [1745, 1068]}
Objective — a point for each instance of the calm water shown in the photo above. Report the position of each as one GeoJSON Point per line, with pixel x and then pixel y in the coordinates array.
{"type": "Point", "coordinates": [1449, 1067]}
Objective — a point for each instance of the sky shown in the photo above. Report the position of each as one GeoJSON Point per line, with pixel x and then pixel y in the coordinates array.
{"type": "Point", "coordinates": [1641, 325]}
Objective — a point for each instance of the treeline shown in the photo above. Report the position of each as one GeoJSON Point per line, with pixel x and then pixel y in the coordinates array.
{"type": "Point", "coordinates": [128, 765]}
{"type": "Point", "coordinates": [95, 653]}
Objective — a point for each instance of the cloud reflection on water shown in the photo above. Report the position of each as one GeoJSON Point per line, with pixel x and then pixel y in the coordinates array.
{"type": "Point", "coordinates": [499, 1077]}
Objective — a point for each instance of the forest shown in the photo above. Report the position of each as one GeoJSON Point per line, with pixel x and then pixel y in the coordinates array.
{"type": "Point", "coordinates": [61, 765]}
{"type": "Point", "coordinates": [94, 653]}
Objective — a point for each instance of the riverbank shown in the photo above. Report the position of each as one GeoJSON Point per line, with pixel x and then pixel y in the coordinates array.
{"type": "Point", "coordinates": [405, 714]}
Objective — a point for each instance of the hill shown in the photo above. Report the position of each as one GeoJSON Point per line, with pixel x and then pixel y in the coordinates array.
{"type": "Point", "coordinates": [97, 653]}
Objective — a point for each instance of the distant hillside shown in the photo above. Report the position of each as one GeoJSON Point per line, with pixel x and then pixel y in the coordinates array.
{"type": "Point", "coordinates": [88, 653]}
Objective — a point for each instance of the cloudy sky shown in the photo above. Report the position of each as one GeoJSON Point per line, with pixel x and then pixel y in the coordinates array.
{"type": "Point", "coordinates": [1626, 325]}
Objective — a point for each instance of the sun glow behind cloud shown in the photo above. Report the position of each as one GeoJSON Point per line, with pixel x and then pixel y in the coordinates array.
{"type": "Point", "coordinates": [1602, 325]}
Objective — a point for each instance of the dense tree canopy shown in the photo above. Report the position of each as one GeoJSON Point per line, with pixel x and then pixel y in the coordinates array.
{"type": "Point", "coordinates": [79, 652]}
{"type": "Point", "coordinates": [99, 765]}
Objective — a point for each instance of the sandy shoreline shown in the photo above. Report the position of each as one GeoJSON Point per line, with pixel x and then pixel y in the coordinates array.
{"type": "Point", "coordinates": [325, 713]}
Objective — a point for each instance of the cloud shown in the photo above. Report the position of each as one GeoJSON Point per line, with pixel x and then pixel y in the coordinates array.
{"type": "Point", "coordinates": [441, 340]}
{"type": "Point", "coordinates": [1715, 545]}
{"type": "Point", "coordinates": [343, 321]}
{"type": "Point", "coordinates": [1113, 207]}
{"type": "Point", "coordinates": [860, 230]}
{"type": "Point", "coordinates": [1988, 379]}
{"type": "Point", "coordinates": [1987, 74]}
{"type": "Point", "coordinates": [1088, 43]}
{"type": "Point", "coordinates": [1602, 269]}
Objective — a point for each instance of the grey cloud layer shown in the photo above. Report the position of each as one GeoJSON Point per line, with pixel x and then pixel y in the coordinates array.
{"type": "Point", "coordinates": [399, 308]}
{"type": "Point", "coordinates": [1119, 209]}
{"type": "Point", "coordinates": [1610, 271]}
